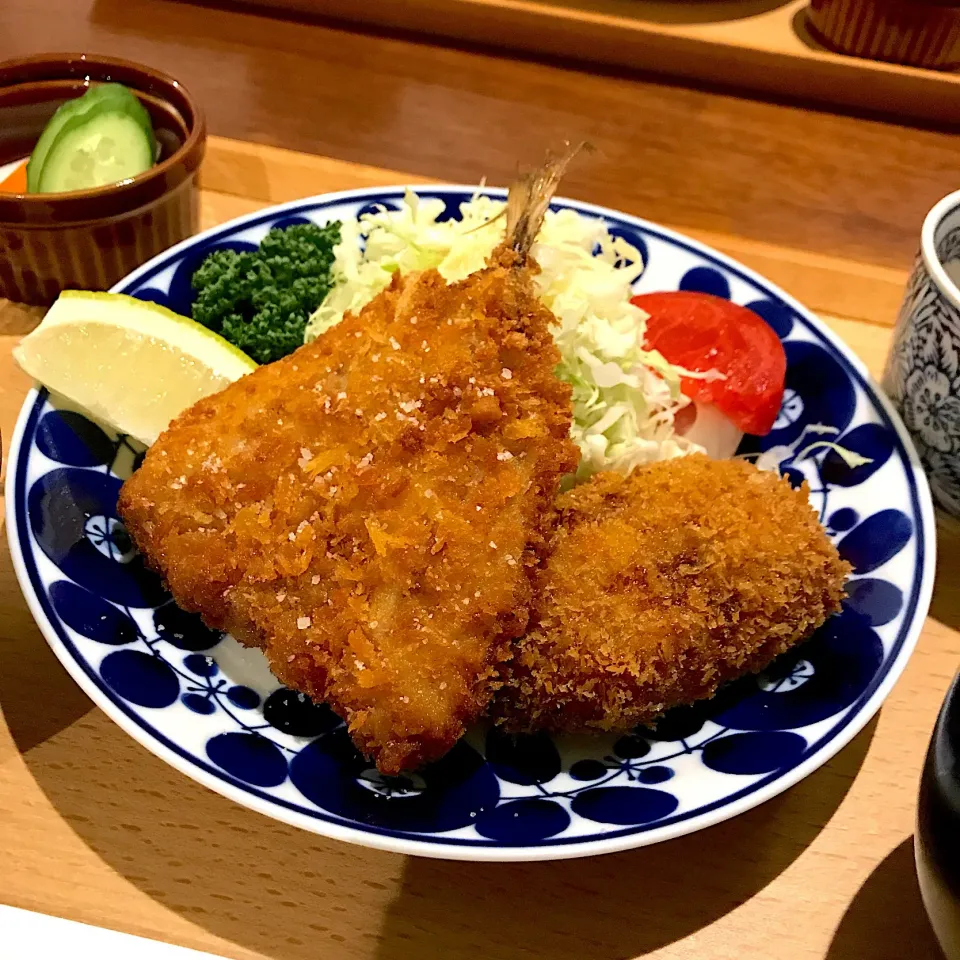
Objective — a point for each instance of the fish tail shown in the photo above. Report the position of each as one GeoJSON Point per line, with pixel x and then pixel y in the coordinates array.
{"type": "Point", "coordinates": [529, 198]}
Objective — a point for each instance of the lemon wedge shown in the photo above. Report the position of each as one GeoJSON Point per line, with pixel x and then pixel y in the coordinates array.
{"type": "Point", "coordinates": [132, 364]}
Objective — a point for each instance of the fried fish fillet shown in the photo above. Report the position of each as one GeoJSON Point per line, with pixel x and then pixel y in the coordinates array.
{"type": "Point", "coordinates": [663, 585]}
{"type": "Point", "coordinates": [367, 509]}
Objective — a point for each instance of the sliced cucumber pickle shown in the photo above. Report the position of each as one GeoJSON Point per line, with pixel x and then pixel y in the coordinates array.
{"type": "Point", "coordinates": [111, 131]}
{"type": "Point", "coordinates": [106, 148]}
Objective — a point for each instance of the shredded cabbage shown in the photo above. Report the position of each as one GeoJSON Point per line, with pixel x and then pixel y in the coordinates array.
{"type": "Point", "coordinates": [625, 398]}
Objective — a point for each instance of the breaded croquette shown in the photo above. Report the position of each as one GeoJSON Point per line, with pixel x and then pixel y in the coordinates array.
{"type": "Point", "coordinates": [367, 509]}
{"type": "Point", "coordinates": [661, 586]}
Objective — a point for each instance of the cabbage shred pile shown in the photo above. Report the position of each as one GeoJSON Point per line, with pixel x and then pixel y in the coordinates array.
{"type": "Point", "coordinates": [625, 397]}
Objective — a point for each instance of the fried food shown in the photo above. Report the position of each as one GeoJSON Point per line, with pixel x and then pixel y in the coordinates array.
{"type": "Point", "coordinates": [367, 509]}
{"type": "Point", "coordinates": [663, 585]}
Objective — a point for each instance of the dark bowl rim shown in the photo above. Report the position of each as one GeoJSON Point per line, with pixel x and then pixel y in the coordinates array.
{"type": "Point", "coordinates": [196, 135]}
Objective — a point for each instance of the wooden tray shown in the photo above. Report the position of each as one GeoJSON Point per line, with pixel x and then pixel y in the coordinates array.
{"type": "Point", "coordinates": [96, 829]}
{"type": "Point", "coordinates": [757, 45]}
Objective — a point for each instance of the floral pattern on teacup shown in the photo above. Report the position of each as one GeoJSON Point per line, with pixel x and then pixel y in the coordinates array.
{"type": "Point", "coordinates": [948, 249]}
{"type": "Point", "coordinates": [923, 375]}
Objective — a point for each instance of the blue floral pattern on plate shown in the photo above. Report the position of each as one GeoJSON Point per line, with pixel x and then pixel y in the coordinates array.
{"type": "Point", "coordinates": [213, 709]}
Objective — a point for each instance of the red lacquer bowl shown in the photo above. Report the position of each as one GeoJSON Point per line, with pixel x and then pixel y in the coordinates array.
{"type": "Point", "coordinates": [90, 239]}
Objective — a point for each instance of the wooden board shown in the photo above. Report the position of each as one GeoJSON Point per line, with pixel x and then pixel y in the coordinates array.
{"type": "Point", "coordinates": [94, 828]}
{"type": "Point", "coordinates": [756, 45]}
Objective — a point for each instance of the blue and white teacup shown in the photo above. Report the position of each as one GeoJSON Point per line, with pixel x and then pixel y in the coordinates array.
{"type": "Point", "coordinates": [922, 375]}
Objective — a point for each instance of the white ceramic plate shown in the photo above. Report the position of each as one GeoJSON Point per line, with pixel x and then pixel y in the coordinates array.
{"type": "Point", "coordinates": [213, 710]}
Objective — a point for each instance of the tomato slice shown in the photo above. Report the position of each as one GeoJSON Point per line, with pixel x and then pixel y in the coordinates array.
{"type": "Point", "coordinates": [702, 332]}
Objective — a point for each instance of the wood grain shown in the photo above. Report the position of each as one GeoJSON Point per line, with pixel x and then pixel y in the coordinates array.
{"type": "Point", "coordinates": [95, 828]}
{"type": "Point", "coordinates": [826, 184]}
{"type": "Point", "coordinates": [760, 45]}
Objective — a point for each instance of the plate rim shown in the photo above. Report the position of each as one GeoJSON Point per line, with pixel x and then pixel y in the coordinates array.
{"type": "Point", "coordinates": [440, 847]}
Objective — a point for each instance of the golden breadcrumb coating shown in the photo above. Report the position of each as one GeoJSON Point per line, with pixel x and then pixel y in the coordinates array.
{"type": "Point", "coordinates": [663, 585]}
{"type": "Point", "coordinates": [366, 510]}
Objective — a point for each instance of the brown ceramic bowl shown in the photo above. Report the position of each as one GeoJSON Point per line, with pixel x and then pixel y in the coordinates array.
{"type": "Point", "coordinates": [90, 239]}
{"type": "Point", "coordinates": [921, 33]}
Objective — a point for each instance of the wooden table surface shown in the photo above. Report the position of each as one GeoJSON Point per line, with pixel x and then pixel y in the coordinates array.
{"type": "Point", "coordinates": [94, 828]}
